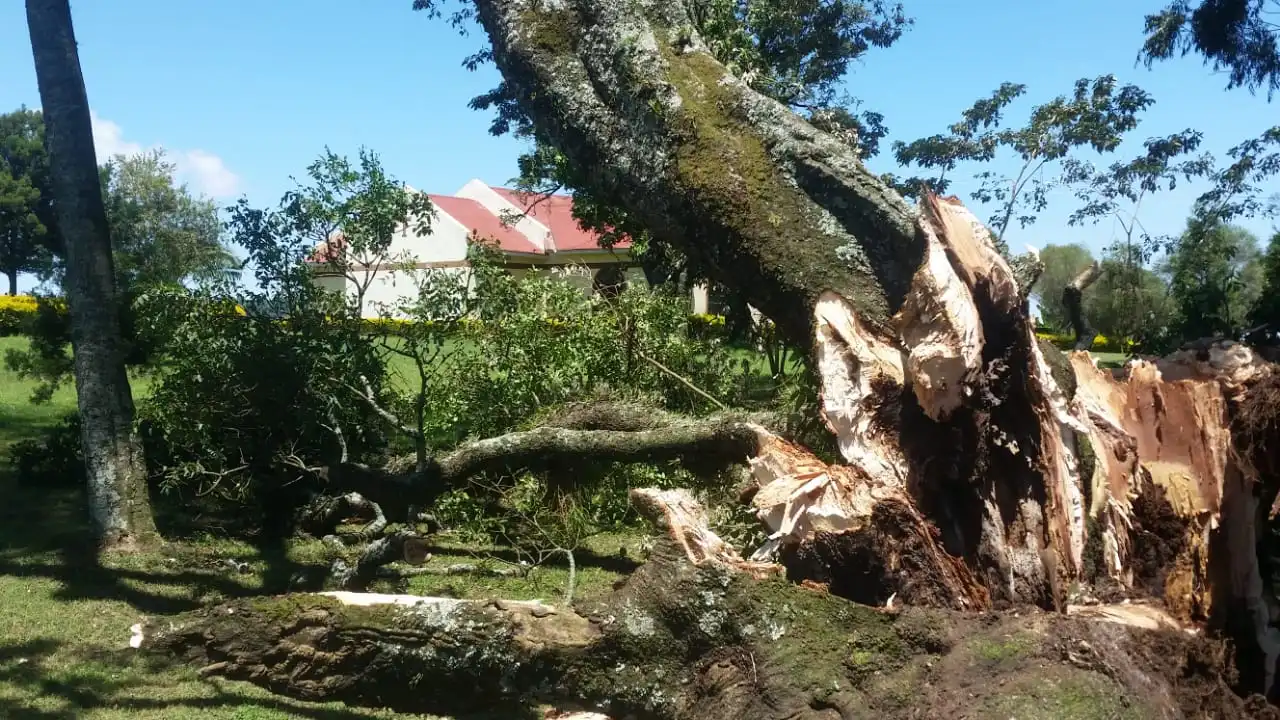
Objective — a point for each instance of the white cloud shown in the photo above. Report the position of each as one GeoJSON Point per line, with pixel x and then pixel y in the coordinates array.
{"type": "Point", "coordinates": [202, 170]}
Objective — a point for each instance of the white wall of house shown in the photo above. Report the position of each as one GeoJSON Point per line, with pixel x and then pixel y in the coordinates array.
{"type": "Point", "coordinates": [444, 249]}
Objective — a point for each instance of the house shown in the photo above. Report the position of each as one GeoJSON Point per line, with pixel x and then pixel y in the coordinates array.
{"type": "Point", "coordinates": [533, 232]}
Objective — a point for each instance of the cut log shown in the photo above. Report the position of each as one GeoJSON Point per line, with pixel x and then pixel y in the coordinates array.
{"type": "Point", "coordinates": [701, 641]}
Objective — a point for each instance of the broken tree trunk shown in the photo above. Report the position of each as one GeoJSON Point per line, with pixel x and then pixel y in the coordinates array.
{"type": "Point", "coordinates": [969, 459]}
{"type": "Point", "coordinates": [1073, 301]}
{"type": "Point", "coordinates": [699, 633]}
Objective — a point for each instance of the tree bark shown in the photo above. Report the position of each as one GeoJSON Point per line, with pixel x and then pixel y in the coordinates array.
{"type": "Point", "coordinates": [119, 505]}
{"type": "Point", "coordinates": [13, 282]}
{"type": "Point", "coordinates": [596, 432]}
{"type": "Point", "coordinates": [697, 634]}
{"type": "Point", "coordinates": [967, 442]}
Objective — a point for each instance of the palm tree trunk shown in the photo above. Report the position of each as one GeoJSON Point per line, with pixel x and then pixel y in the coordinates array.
{"type": "Point", "coordinates": [118, 500]}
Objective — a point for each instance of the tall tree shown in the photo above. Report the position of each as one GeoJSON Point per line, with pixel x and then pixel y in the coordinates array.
{"type": "Point", "coordinates": [1215, 277]}
{"type": "Point", "coordinates": [1131, 302]}
{"type": "Point", "coordinates": [1097, 115]}
{"type": "Point", "coordinates": [1266, 310]}
{"type": "Point", "coordinates": [1239, 36]}
{"type": "Point", "coordinates": [23, 172]}
{"type": "Point", "coordinates": [118, 500]}
{"type": "Point", "coordinates": [161, 233]}
{"type": "Point", "coordinates": [795, 52]}
{"type": "Point", "coordinates": [918, 327]}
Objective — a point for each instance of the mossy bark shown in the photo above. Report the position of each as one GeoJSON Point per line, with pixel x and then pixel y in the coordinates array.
{"type": "Point", "coordinates": [759, 198]}
{"type": "Point", "coordinates": [679, 641]}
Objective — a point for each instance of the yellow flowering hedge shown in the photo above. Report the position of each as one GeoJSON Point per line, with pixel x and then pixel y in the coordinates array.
{"type": "Point", "coordinates": [17, 312]}
{"type": "Point", "coordinates": [1101, 343]}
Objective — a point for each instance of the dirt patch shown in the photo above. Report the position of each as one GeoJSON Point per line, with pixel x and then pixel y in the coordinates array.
{"type": "Point", "coordinates": [1159, 539]}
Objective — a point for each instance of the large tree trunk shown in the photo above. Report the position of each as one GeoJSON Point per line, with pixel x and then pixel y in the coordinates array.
{"type": "Point", "coordinates": [13, 282]}
{"type": "Point", "coordinates": [982, 469]}
{"type": "Point", "coordinates": [119, 505]}
{"type": "Point", "coordinates": [700, 634]}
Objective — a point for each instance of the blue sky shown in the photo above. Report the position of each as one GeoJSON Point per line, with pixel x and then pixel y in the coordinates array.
{"type": "Point", "coordinates": [244, 94]}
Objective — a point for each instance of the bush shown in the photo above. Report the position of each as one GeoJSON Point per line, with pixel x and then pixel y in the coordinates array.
{"type": "Point", "coordinates": [54, 461]}
{"type": "Point", "coordinates": [705, 326]}
{"type": "Point", "coordinates": [236, 396]}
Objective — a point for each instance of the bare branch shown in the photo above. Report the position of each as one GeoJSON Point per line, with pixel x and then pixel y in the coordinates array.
{"type": "Point", "coordinates": [368, 396]}
{"type": "Point", "coordinates": [682, 380]}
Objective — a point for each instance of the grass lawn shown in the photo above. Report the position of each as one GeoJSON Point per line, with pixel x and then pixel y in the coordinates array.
{"type": "Point", "coordinates": [1110, 359]}
{"type": "Point", "coordinates": [65, 614]}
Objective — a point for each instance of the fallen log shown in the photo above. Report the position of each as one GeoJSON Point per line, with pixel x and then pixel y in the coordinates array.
{"type": "Point", "coordinates": [690, 635]}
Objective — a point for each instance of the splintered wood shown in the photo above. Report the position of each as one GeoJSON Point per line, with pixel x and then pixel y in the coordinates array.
{"type": "Point", "coordinates": [685, 520]}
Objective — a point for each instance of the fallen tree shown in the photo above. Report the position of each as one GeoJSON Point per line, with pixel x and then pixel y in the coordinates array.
{"type": "Point", "coordinates": [982, 469]}
{"type": "Point", "coordinates": [1008, 475]}
{"type": "Point", "coordinates": [699, 632]}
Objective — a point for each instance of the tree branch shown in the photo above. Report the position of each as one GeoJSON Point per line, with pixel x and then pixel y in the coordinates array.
{"type": "Point", "coordinates": [368, 396]}
{"type": "Point", "coordinates": [730, 441]}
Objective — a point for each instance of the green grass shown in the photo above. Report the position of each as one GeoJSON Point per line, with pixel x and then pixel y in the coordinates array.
{"type": "Point", "coordinates": [65, 612]}
{"type": "Point", "coordinates": [1110, 359]}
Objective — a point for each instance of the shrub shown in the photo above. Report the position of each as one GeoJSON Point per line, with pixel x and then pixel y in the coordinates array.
{"type": "Point", "coordinates": [53, 461]}
{"type": "Point", "coordinates": [706, 326]}
{"type": "Point", "coordinates": [237, 398]}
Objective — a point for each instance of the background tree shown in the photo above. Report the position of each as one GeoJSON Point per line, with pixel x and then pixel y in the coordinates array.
{"type": "Point", "coordinates": [1117, 193]}
{"type": "Point", "coordinates": [1266, 311]}
{"type": "Point", "coordinates": [118, 498]}
{"type": "Point", "coordinates": [161, 232]}
{"type": "Point", "coordinates": [1097, 115]}
{"type": "Point", "coordinates": [1238, 36]}
{"type": "Point", "coordinates": [24, 209]}
{"type": "Point", "coordinates": [1131, 303]}
{"type": "Point", "coordinates": [1215, 277]}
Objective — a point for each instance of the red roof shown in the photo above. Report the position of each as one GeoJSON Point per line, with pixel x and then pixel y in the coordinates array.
{"type": "Point", "coordinates": [484, 223]}
{"type": "Point", "coordinates": [556, 212]}
{"type": "Point", "coordinates": [329, 251]}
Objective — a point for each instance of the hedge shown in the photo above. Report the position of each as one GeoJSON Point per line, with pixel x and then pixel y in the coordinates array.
{"type": "Point", "coordinates": [16, 314]}
{"type": "Point", "coordinates": [1101, 343]}
{"type": "Point", "coordinates": [18, 311]}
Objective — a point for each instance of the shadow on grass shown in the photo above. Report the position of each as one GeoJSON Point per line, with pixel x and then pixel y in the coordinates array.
{"type": "Point", "coordinates": [85, 681]}
{"type": "Point", "coordinates": [45, 533]}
